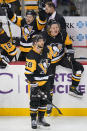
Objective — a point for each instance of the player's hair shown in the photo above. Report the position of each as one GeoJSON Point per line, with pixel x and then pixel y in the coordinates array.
{"type": "Point", "coordinates": [51, 22]}
{"type": "Point", "coordinates": [37, 37]}
{"type": "Point", "coordinates": [50, 4]}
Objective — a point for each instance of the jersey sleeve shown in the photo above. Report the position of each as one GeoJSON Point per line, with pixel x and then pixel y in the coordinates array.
{"type": "Point", "coordinates": [66, 40]}
{"type": "Point", "coordinates": [14, 18]}
{"type": "Point", "coordinates": [68, 44]}
{"type": "Point", "coordinates": [6, 44]}
{"type": "Point", "coordinates": [30, 68]}
{"type": "Point", "coordinates": [40, 23]}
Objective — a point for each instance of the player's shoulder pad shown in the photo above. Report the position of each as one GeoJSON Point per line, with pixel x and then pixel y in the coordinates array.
{"type": "Point", "coordinates": [31, 55]}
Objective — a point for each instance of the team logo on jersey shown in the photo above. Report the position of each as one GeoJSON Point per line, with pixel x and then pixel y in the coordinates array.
{"type": "Point", "coordinates": [44, 64]}
{"type": "Point", "coordinates": [54, 49]}
{"type": "Point", "coordinates": [27, 32]}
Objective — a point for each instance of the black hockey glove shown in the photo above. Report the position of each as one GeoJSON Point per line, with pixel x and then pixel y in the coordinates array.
{"type": "Point", "coordinates": [6, 6]}
{"type": "Point", "coordinates": [70, 56]}
{"type": "Point", "coordinates": [41, 4]}
{"type": "Point", "coordinates": [42, 14]}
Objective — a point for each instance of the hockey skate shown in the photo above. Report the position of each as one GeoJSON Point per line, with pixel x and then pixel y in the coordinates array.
{"type": "Point", "coordinates": [74, 92]}
{"type": "Point", "coordinates": [2, 65]}
{"type": "Point", "coordinates": [34, 124]}
{"type": "Point", "coordinates": [41, 121]}
{"type": "Point", "coordinates": [49, 109]}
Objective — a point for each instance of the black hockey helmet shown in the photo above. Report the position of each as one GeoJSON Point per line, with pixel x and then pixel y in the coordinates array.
{"type": "Point", "coordinates": [31, 12]}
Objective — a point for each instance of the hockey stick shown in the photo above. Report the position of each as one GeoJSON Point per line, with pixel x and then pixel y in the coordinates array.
{"type": "Point", "coordinates": [81, 58]}
{"type": "Point", "coordinates": [5, 62]}
{"type": "Point", "coordinates": [55, 107]}
{"type": "Point", "coordinates": [8, 23]}
{"type": "Point", "coordinates": [44, 97]}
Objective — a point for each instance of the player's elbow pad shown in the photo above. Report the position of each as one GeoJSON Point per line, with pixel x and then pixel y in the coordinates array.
{"type": "Point", "coordinates": [29, 77]}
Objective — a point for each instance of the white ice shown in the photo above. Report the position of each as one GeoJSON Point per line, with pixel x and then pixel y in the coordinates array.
{"type": "Point", "coordinates": [63, 123]}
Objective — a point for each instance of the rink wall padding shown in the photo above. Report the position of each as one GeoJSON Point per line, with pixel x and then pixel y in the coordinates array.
{"type": "Point", "coordinates": [26, 112]}
{"type": "Point", "coordinates": [14, 98]}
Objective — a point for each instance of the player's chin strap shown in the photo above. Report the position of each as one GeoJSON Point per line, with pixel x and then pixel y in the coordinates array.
{"type": "Point", "coordinates": [42, 94]}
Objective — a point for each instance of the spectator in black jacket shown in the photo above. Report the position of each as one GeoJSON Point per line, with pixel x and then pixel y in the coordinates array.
{"type": "Point", "coordinates": [52, 14]}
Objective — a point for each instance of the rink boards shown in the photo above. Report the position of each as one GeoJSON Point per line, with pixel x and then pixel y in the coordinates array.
{"type": "Point", "coordinates": [14, 97]}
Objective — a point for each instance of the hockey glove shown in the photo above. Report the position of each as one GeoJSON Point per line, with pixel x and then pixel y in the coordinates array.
{"type": "Point", "coordinates": [70, 57]}
{"type": "Point", "coordinates": [41, 4]}
{"type": "Point", "coordinates": [42, 14]}
{"type": "Point", "coordinates": [70, 54]}
{"type": "Point", "coordinates": [6, 6]}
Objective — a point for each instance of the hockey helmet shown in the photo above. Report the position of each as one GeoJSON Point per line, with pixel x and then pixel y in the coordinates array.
{"type": "Point", "coordinates": [31, 12]}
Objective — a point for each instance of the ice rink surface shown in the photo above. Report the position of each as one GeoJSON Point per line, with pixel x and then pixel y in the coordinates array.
{"type": "Point", "coordinates": [62, 123]}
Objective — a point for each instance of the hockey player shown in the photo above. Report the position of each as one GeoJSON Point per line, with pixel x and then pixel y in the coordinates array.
{"type": "Point", "coordinates": [36, 72]}
{"type": "Point", "coordinates": [62, 53]}
{"type": "Point", "coordinates": [51, 13]}
{"type": "Point", "coordinates": [8, 50]}
{"type": "Point", "coordinates": [30, 26]}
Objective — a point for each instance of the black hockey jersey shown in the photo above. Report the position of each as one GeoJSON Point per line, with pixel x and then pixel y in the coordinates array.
{"type": "Point", "coordinates": [57, 45]}
{"type": "Point", "coordinates": [6, 44]}
{"type": "Point", "coordinates": [36, 68]}
{"type": "Point", "coordinates": [27, 31]}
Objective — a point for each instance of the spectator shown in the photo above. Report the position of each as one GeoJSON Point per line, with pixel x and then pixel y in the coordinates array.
{"type": "Point", "coordinates": [52, 14]}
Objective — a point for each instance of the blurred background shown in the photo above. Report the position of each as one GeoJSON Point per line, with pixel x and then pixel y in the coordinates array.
{"type": "Point", "coordinates": [64, 7]}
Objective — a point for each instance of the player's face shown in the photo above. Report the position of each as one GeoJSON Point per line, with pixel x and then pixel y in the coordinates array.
{"type": "Point", "coordinates": [54, 30]}
{"type": "Point", "coordinates": [47, 9]}
{"type": "Point", "coordinates": [40, 43]}
{"type": "Point", "coordinates": [29, 19]}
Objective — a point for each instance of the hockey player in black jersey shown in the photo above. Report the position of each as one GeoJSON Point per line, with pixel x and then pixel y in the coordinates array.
{"type": "Point", "coordinates": [36, 72]}
{"type": "Point", "coordinates": [62, 53]}
{"type": "Point", "coordinates": [30, 26]}
{"type": "Point", "coordinates": [8, 50]}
